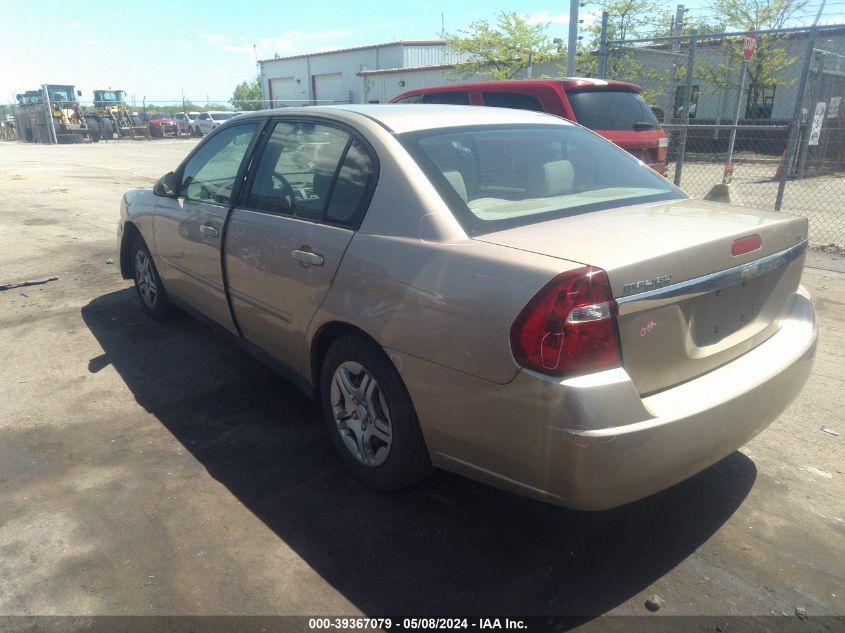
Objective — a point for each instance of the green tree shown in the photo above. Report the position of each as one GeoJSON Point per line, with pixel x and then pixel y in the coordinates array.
{"type": "Point", "coordinates": [503, 49]}
{"type": "Point", "coordinates": [248, 95]}
{"type": "Point", "coordinates": [627, 20]}
{"type": "Point", "coordinates": [771, 56]}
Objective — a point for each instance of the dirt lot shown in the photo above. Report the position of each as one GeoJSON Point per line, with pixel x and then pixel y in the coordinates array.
{"type": "Point", "coordinates": [818, 197]}
{"type": "Point", "coordinates": [151, 468]}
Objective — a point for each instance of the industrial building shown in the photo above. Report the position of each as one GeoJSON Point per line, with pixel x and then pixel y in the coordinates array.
{"type": "Point", "coordinates": [366, 74]}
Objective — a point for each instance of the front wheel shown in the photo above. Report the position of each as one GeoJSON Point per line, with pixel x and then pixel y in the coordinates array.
{"type": "Point", "coordinates": [148, 284]}
{"type": "Point", "coordinates": [370, 416]}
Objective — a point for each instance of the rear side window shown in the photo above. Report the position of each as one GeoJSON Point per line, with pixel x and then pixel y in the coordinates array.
{"type": "Point", "coordinates": [611, 110]}
{"type": "Point", "coordinates": [411, 99]}
{"type": "Point", "coordinates": [314, 172]}
{"type": "Point", "coordinates": [515, 100]}
{"type": "Point", "coordinates": [297, 168]}
{"type": "Point", "coordinates": [355, 178]}
{"type": "Point", "coordinates": [447, 98]}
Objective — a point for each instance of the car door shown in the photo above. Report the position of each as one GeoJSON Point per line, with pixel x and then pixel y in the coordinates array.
{"type": "Point", "coordinates": [305, 197]}
{"type": "Point", "coordinates": [202, 122]}
{"type": "Point", "coordinates": [188, 228]}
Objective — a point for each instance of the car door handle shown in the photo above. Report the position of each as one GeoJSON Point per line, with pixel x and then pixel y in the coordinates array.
{"type": "Point", "coordinates": [309, 258]}
{"type": "Point", "coordinates": [209, 231]}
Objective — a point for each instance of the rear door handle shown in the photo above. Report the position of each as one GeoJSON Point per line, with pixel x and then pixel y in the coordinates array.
{"type": "Point", "coordinates": [208, 230]}
{"type": "Point", "coordinates": [310, 258]}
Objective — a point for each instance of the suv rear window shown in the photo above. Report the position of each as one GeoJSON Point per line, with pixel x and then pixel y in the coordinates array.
{"type": "Point", "coordinates": [611, 110]}
{"type": "Point", "coordinates": [515, 100]}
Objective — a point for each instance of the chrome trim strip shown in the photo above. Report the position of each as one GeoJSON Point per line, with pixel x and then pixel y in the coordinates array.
{"type": "Point", "coordinates": [279, 314]}
{"type": "Point", "coordinates": [722, 279]}
{"type": "Point", "coordinates": [194, 275]}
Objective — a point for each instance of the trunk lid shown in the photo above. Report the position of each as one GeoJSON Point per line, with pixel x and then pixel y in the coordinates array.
{"type": "Point", "coordinates": [686, 304]}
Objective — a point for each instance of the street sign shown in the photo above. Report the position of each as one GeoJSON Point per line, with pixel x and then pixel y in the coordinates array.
{"type": "Point", "coordinates": [818, 121]}
{"type": "Point", "coordinates": [749, 44]}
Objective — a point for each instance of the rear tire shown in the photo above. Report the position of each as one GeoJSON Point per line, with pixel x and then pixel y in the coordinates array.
{"type": "Point", "coordinates": [93, 128]}
{"type": "Point", "coordinates": [148, 284]}
{"type": "Point", "coordinates": [107, 128]}
{"type": "Point", "coordinates": [370, 417]}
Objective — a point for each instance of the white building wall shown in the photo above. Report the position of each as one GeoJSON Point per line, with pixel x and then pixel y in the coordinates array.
{"type": "Point", "coordinates": [415, 56]}
{"type": "Point", "coordinates": [349, 63]}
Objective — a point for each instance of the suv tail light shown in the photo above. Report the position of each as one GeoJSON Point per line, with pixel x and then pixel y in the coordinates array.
{"type": "Point", "coordinates": [569, 327]}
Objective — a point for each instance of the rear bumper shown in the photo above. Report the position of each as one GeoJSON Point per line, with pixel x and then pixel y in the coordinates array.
{"type": "Point", "coordinates": [592, 442]}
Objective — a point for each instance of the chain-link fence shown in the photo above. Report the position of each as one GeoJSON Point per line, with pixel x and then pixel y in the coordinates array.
{"type": "Point", "coordinates": [42, 116]}
{"type": "Point", "coordinates": [767, 133]}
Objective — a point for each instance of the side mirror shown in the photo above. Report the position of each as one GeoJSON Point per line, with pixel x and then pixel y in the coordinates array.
{"type": "Point", "coordinates": [166, 185]}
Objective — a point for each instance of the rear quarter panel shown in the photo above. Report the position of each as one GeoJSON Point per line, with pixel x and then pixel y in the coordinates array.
{"type": "Point", "coordinates": [450, 304]}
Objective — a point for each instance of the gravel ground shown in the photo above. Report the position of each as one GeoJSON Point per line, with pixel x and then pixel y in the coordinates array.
{"type": "Point", "coordinates": [818, 197]}
{"type": "Point", "coordinates": [151, 468]}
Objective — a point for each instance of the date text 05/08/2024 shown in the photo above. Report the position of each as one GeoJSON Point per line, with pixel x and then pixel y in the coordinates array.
{"type": "Point", "coordinates": [410, 624]}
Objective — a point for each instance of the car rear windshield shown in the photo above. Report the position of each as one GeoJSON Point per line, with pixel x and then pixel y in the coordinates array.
{"type": "Point", "coordinates": [611, 110]}
{"type": "Point", "coordinates": [224, 116]}
{"type": "Point", "coordinates": [499, 177]}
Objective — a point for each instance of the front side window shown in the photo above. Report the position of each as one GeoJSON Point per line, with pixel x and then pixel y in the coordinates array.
{"type": "Point", "coordinates": [314, 172]}
{"type": "Point", "coordinates": [503, 176]}
{"type": "Point", "coordinates": [209, 175]}
{"type": "Point", "coordinates": [411, 99]}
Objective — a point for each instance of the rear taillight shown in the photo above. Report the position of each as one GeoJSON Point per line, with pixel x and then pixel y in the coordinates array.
{"type": "Point", "coordinates": [569, 327]}
{"type": "Point", "coordinates": [662, 148]}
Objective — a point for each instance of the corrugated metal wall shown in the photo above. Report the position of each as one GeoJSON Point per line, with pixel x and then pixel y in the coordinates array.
{"type": "Point", "coordinates": [349, 63]}
{"type": "Point", "coordinates": [428, 55]}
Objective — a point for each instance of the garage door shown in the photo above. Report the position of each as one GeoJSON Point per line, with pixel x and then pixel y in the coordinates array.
{"type": "Point", "coordinates": [285, 91]}
{"type": "Point", "coordinates": [330, 88]}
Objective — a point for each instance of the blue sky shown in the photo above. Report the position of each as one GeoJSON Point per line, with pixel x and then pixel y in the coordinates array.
{"type": "Point", "coordinates": [158, 49]}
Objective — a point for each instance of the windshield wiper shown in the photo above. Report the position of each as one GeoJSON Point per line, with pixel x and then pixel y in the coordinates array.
{"type": "Point", "coordinates": [644, 125]}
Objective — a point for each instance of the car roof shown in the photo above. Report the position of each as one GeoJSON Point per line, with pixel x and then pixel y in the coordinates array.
{"type": "Point", "coordinates": [401, 118]}
{"type": "Point", "coordinates": [568, 83]}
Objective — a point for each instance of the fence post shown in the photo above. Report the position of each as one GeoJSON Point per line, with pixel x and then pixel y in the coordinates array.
{"type": "Point", "coordinates": [603, 46]}
{"type": "Point", "coordinates": [682, 145]}
{"type": "Point", "coordinates": [677, 25]}
{"type": "Point", "coordinates": [792, 142]}
{"type": "Point", "coordinates": [52, 122]}
{"type": "Point", "coordinates": [818, 82]}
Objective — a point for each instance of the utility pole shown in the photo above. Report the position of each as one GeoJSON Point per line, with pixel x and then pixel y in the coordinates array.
{"type": "Point", "coordinates": [603, 46]}
{"type": "Point", "coordinates": [677, 25]}
{"type": "Point", "coordinates": [573, 37]}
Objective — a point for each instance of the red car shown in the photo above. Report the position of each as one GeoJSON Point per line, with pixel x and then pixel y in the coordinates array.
{"type": "Point", "coordinates": [162, 125]}
{"type": "Point", "coordinates": [613, 109]}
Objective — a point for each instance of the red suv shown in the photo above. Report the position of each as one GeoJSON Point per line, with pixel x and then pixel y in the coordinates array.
{"type": "Point", "coordinates": [613, 109]}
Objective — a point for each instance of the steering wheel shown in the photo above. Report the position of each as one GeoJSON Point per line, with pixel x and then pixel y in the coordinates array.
{"type": "Point", "coordinates": [287, 190]}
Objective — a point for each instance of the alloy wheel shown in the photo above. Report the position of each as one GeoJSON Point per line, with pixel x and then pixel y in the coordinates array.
{"type": "Point", "coordinates": [145, 279]}
{"type": "Point", "coordinates": [361, 414]}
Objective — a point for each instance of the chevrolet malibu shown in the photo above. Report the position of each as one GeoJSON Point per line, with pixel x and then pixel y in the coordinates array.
{"type": "Point", "coordinates": [499, 293]}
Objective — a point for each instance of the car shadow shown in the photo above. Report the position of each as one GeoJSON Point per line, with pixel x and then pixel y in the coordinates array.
{"type": "Point", "coordinates": [448, 546]}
